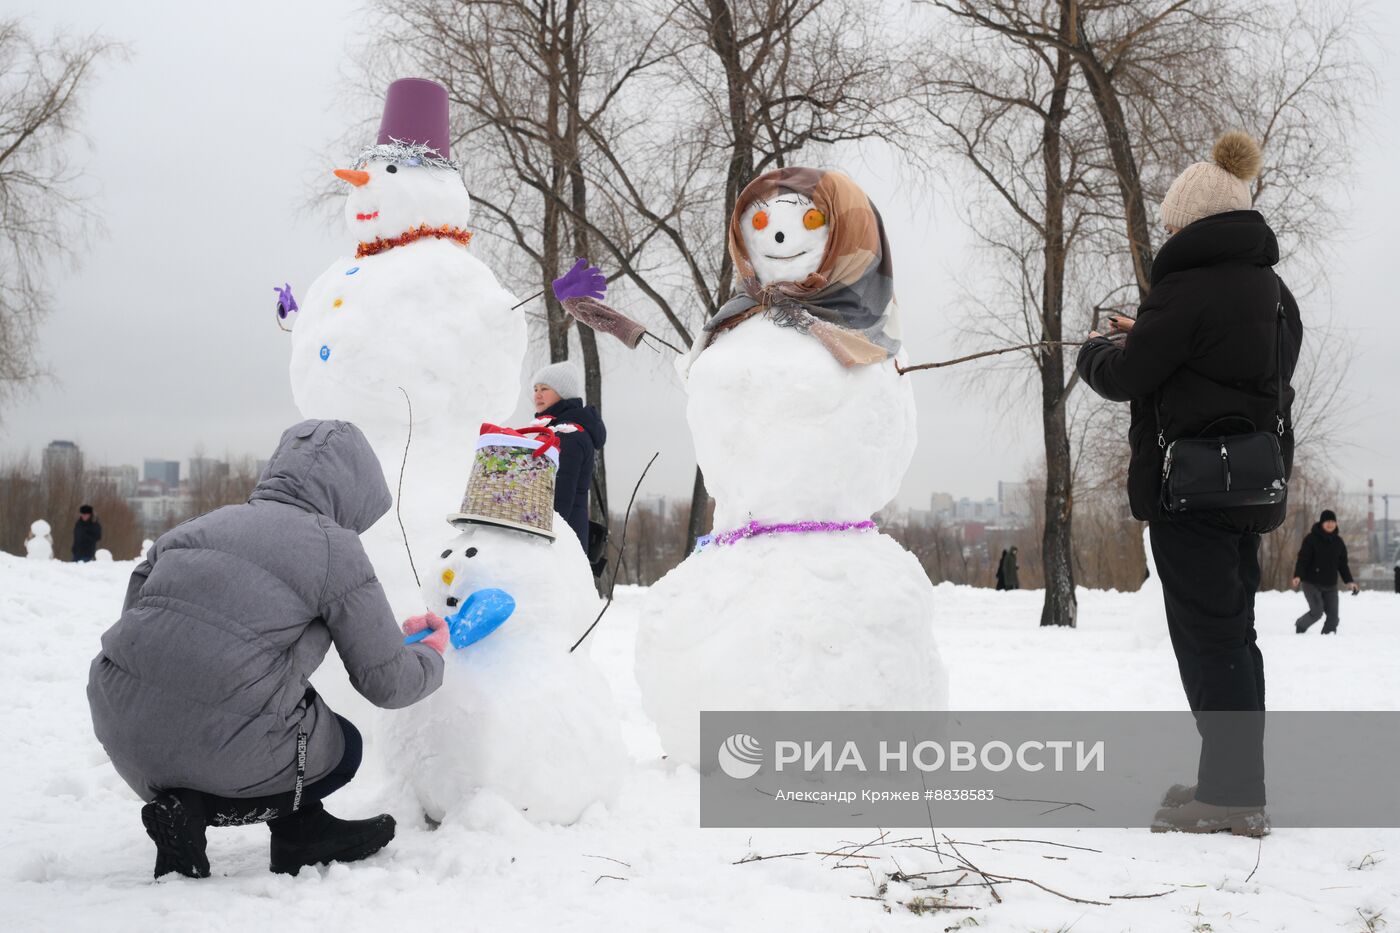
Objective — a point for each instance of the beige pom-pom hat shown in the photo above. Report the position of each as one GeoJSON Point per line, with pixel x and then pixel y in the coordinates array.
{"type": "Point", "coordinates": [1217, 186]}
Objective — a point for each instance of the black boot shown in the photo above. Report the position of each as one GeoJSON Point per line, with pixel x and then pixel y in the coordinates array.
{"type": "Point", "coordinates": [311, 836]}
{"type": "Point", "coordinates": [175, 822]}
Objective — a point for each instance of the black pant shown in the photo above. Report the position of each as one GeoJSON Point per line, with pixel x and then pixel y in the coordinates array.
{"type": "Point", "coordinates": [239, 811]}
{"type": "Point", "coordinates": [1320, 601]}
{"type": "Point", "coordinates": [1209, 578]}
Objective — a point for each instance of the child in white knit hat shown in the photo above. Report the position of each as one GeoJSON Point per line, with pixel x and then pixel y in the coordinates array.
{"type": "Point", "coordinates": [559, 405]}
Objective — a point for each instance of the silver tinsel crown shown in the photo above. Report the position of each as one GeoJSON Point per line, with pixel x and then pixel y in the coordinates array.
{"type": "Point", "coordinates": [404, 153]}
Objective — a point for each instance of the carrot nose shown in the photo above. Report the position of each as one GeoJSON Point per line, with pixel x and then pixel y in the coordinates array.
{"type": "Point", "coordinates": [353, 176]}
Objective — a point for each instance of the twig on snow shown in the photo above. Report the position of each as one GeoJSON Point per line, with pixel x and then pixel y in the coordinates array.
{"type": "Point", "coordinates": [763, 858]}
{"type": "Point", "coordinates": [1259, 853]}
{"type": "Point", "coordinates": [608, 858]}
{"type": "Point", "coordinates": [1046, 842]}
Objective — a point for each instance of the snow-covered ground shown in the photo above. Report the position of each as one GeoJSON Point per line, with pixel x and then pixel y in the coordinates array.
{"type": "Point", "coordinates": [73, 855]}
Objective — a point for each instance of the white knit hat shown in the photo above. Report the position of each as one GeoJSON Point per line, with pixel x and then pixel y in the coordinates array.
{"type": "Point", "coordinates": [1217, 186]}
{"type": "Point", "coordinates": [563, 377]}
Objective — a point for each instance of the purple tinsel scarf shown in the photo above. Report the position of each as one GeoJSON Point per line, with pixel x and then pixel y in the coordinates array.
{"type": "Point", "coordinates": [757, 529]}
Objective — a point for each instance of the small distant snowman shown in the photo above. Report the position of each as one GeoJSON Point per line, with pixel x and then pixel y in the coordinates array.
{"type": "Point", "coordinates": [518, 716]}
{"type": "Point", "coordinates": [413, 317]}
{"type": "Point", "coordinates": [804, 429]}
{"type": "Point", "coordinates": [39, 544]}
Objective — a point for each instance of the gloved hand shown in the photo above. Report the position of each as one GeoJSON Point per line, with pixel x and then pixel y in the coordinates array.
{"type": "Point", "coordinates": [286, 306]}
{"type": "Point", "coordinates": [582, 281]}
{"type": "Point", "coordinates": [436, 641]}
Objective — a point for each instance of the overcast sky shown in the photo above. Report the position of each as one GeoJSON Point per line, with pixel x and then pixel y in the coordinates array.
{"type": "Point", "coordinates": [201, 148]}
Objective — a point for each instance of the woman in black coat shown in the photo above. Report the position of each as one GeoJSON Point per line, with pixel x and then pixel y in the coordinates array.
{"type": "Point", "coordinates": [558, 394]}
{"type": "Point", "coordinates": [1201, 358]}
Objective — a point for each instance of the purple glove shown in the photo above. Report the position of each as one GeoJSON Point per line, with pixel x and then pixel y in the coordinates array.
{"type": "Point", "coordinates": [286, 306]}
{"type": "Point", "coordinates": [582, 281]}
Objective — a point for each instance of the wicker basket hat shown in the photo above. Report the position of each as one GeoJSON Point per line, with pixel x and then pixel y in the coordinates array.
{"type": "Point", "coordinates": [512, 480]}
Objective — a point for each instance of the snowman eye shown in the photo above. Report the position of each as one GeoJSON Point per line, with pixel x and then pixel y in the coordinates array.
{"type": "Point", "coordinates": [391, 169]}
{"type": "Point", "coordinates": [760, 220]}
{"type": "Point", "coordinates": [447, 553]}
{"type": "Point", "coordinates": [814, 219]}
{"type": "Point", "coordinates": [470, 552]}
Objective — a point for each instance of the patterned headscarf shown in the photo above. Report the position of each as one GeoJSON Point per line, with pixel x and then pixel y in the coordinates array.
{"type": "Point", "coordinates": [848, 303]}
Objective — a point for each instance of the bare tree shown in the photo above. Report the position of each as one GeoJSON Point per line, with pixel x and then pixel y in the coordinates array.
{"type": "Point", "coordinates": [42, 211]}
{"type": "Point", "coordinates": [1153, 83]}
{"type": "Point", "coordinates": [1008, 112]}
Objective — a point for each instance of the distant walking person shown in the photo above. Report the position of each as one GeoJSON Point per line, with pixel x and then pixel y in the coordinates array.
{"type": "Point", "coordinates": [559, 405]}
{"type": "Point", "coordinates": [87, 531]}
{"type": "Point", "coordinates": [1008, 573]}
{"type": "Point", "coordinates": [1321, 559]}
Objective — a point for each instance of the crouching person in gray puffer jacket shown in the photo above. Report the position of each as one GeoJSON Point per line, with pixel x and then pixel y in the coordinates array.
{"type": "Point", "coordinates": [200, 693]}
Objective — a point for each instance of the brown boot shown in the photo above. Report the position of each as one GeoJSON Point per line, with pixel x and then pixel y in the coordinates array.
{"type": "Point", "coordinates": [1179, 795]}
{"type": "Point", "coordinates": [1198, 817]}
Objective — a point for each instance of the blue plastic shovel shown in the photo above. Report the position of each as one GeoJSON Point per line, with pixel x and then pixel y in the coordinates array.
{"type": "Point", "coordinates": [481, 614]}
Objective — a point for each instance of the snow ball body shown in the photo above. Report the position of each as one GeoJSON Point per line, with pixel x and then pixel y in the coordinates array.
{"type": "Point", "coordinates": [517, 715]}
{"type": "Point", "coordinates": [799, 622]}
{"type": "Point", "coordinates": [427, 316]}
{"type": "Point", "coordinates": [785, 433]}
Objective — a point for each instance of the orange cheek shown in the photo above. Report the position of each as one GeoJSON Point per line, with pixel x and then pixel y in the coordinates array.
{"type": "Point", "coordinates": [760, 220]}
{"type": "Point", "coordinates": [814, 219]}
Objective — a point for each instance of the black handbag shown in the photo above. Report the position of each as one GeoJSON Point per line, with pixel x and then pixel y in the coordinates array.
{"type": "Point", "coordinates": [1226, 471]}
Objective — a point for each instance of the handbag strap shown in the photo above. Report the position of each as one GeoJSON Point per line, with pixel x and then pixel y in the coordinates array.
{"type": "Point", "coordinates": [1278, 361]}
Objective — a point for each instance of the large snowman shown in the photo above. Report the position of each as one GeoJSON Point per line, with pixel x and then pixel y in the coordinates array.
{"type": "Point", "coordinates": [804, 429]}
{"type": "Point", "coordinates": [412, 310]}
{"type": "Point", "coordinates": [519, 717]}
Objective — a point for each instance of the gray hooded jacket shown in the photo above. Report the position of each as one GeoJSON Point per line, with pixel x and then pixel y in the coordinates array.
{"type": "Point", "coordinates": [203, 681]}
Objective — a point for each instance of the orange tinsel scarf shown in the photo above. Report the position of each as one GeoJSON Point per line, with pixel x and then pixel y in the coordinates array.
{"type": "Point", "coordinates": [445, 232]}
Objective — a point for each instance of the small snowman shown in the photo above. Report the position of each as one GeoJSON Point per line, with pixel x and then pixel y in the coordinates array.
{"type": "Point", "coordinates": [518, 715]}
{"type": "Point", "coordinates": [412, 318]}
{"type": "Point", "coordinates": [39, 544]}
{"type": "Point", "coordinates": [804, 429]}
